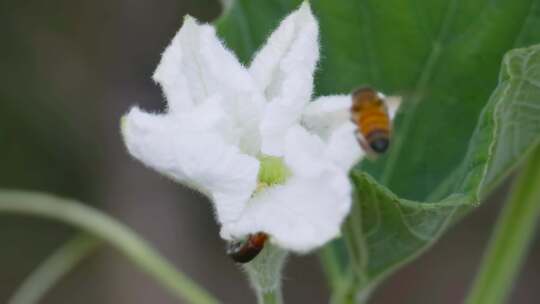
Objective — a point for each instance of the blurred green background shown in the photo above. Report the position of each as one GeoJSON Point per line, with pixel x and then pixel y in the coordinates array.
{"type": "Point", "coordinates": [70, 69]}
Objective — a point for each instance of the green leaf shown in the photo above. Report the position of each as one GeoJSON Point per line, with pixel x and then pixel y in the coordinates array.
{"type": "Point", "coordinates": [509, 127]}
{"type": "Point", "coordinates": [451, 146]}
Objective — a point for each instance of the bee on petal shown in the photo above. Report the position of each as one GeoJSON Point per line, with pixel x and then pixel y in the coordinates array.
{"type": "Point", "coordinates": [245, 251]}
{"type": "Point", "coordinates": [369, 112]}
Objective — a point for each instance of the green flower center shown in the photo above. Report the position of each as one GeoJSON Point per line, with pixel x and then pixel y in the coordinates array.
{"type": "Point", "coordinates": [272, 171]}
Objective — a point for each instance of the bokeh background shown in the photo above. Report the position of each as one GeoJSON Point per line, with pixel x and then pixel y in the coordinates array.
{"type": "Point", "coordinates": [69, 70]}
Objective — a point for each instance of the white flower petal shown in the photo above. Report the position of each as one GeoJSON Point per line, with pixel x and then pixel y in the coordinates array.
{"type": "Point", "coordinates": [266, 61]}
{"type": "Point", "coordinates": [300, 216]}
{"type": "Point", "coordinates": [224, 69]}
{"type": "Point", "coordinates": [277, 119]}
{"type": "Point", "coordinates": [304, 152]}
{"type": "Point", "coordinates": [198, 157]}
{"type": "Point", "coordinates": [210, 116]}
{"type": "Point", "coordinates": [342, 147]}
{"type": "Point", "coordinates": [288, 59]}
{"type": "Point", "coordinates": [329, 117]}
{"type": "Point", "coordinates": [246, 116]}
{"type": "Point", "coordinates": [284, 69]}
{"type": "Point", "coordinates": [327, 113]}
{"type": "Point", "coordinates": [307, 155]}
{"type": "Point", "coordinates": [308, 210]}
{"type": "Point", "coordinates": [243, 101]}
{"type": "Point", "coordinates": [196, 66]}
{"type": "Point", "coordinates": [177, 72]}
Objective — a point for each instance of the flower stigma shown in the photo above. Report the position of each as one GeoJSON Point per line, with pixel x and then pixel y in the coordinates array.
{"type": "Point", "coordinates": [272, 171]}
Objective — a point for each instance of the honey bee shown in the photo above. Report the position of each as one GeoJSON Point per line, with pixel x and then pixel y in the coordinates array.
{"type": "Point", "coordinates": [245, 251]}
{"type": "Point", "coordinates": [369, 112]}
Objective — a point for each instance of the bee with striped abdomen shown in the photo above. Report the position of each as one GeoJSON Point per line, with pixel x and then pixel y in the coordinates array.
{"type": "Point", "coordinates": [245, 251]}
{"type": "Point", "coordinates": [369, 112]}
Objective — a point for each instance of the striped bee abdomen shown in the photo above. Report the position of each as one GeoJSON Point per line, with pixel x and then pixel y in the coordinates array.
{"type": "Point", "coordinates": [370, 114]}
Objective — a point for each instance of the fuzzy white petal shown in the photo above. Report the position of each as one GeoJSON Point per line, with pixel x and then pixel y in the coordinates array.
{"type": "Point", "coordinates": [329, 117]}
{"type": "Point", "coordinates": [284, 70]}
{"type": "Point", "coordinates": [177, 72]}
{"type": "Point", "coordinates": [342, 147]}
{"type": "Point", "coordinates": [242, 100]}
{"type": "Point", "coordinates": [309, 209]}
{"type": "Point", "coordinates": [222, 66]}
{"type": "Point", "coordinates": [304, 153]}
{"type": "Point", "coordinates": [276, 121]}
{"type": "Point", "coordinates": [292, 80]}
{"type": "Point", "coordinates": [307, 155]}
{"type": "Point", "coordinates": [197, 66]}
{"type": "Point", "coordinates": [197, 156]}
{"type": "Point", "coordinates": [266, 61]}
{"type": "Point", "coordinates": [325, 114]}
{"type": "Point", "coordinates": [300, 216]}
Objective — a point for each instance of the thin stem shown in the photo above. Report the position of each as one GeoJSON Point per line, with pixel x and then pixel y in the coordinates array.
{"type": "Point", "coordinates": [264, 274]}
{"type": "Point", "coordinates": [513, 234]}
{"type": "Point", "coordinates": [54, 268]}
{"type": "Point", "coordinates": [358, 291]}
{"type": "Point", "coordinates": [330, 262]}
{"type": "Point", "coordinates": [107, 228]}
{"type": "Point", "coordinates": [271, 297]}
{"type": "Point", "coordinates": [342, 281]}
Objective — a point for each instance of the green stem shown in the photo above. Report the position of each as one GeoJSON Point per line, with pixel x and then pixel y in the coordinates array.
{"type": "Point", "coordinates": [43, 278]}
{"type": "Point", "coordinates": [513, 234]}
{"type": "Point", "coordinates": [264, 274]}
{"type": "Point", "coordinates": [271, 297]}
{"type": "Point", "coordinates": [357, 285]}
{"type": "Point", "coordinates": [341, 281]}
{"type": "Point", "coordinates": [107, 228]}
{"type": "Point", "coordinates": [329, 258]}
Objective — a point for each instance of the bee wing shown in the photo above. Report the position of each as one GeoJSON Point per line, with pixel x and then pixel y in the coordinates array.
{"type": "Point", "coordinates": [393, 103]}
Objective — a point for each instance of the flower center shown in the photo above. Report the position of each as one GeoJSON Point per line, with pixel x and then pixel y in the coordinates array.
{"type": "Point", "coordinates": [272, 171]}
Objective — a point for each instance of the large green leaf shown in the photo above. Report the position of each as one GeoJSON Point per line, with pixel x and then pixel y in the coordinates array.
{"type": "Point", "coordinates": [451, 146]}
{"type": "Point", "coordinates": [508, 128]}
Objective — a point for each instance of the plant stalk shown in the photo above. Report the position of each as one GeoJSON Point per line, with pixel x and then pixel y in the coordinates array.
{"type": "Point", "coordinates": [109, 229]}
{"type": "Point", "coordinates": [265, 272]}
{"type": "Point", "coordinates": [54, 268]}
{"type": "Point", "coordinates": [513, 234]}
{"type": "Point", "coordinates": [271, 297]}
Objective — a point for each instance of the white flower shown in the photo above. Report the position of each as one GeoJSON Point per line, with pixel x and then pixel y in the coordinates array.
{"type": "Point", "coordinates": [248, 138]}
